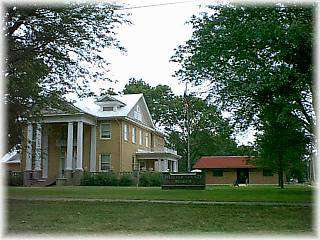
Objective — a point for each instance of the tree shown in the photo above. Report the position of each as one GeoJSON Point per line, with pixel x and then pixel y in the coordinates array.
{"type": "Point", "coordinates": [256, 57]}
{"type": "Point", "coordinates": [209, 132]}
{"type": "Point", "coordinates": [52, 52]}
{"type": "Point", "coordinates": [158, 98]}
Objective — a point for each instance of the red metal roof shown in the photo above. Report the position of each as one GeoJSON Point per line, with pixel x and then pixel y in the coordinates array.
{"type": "Point", "coordinates": [223, 162]}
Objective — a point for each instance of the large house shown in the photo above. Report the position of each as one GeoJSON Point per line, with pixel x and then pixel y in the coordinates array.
{"type": "Point", "coordinates": [111, 133]}
{"type": "Point", "coordinates": [229, 169]}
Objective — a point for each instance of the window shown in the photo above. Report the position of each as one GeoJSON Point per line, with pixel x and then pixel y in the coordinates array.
{"type": "Point", "coordinates": [137, 113]}
{"type": "Point", "coordinates": [105, 162]}
{"type": "Point", "coordinates": [147, 139]}
{"type": "Point", "coordinates": [133, 135]}
{"type": "Point", "coordinates": [125, 132]}
{"type": "Point", "coordinates": [140, 137]}
{"type": "Point", "coordinates": [107, 109]}
{"type": "Point", "coordinates": [105, 131]}
{"type": "Point", "coordinates": [217, 173]}
{"type": "Point", "coordinates": [267, 173]}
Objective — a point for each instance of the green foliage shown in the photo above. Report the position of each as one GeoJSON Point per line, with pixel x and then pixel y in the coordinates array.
{"type": "Point", "coordinates": [126, 180]}
{"type": "Point", "coordinates": [54, 51]}
{"type": "Point", "coordinates": [15, 179]}
{"type": "Point", "coordinates": [99, 179]}
{"type": "Point", "coordinates": [259, 62]}
{"type": "Point", "coordinates": [150, 179]}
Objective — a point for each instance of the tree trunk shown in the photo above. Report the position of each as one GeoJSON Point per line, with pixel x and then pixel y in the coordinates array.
{"type": "Point", "coordinates": [280, 177]}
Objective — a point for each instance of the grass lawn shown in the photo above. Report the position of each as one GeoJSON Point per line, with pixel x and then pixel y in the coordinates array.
{"type": "Point", "coordinates": [110, 218]}
{"type": "Point", "coordinates": [213, 193]}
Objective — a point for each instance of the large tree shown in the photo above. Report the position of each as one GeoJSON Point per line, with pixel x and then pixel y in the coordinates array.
{"type": "Point", "coordinates": [256, 57]}
{"type": "Point", "coordinates": [52, 51]}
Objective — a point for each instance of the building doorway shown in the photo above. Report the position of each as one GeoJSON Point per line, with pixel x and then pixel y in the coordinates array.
{"type": "Point", "coordinates": [242, 175]}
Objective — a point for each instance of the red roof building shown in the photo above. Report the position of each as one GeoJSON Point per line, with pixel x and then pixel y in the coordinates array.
{"type": "Point", "coordinates": [233, 169]}
{"type": "Point", "coordinates": [208, 162]}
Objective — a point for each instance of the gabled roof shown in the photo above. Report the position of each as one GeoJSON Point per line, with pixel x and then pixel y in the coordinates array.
{"type": "Point", "coordinates": [208, 162]}
{"type": "Point", "coordinates": [109, 98]}
{"type": "Point", "coordinates": [11, 157]}
{"type": "Point", "coordinates": [90, 106]}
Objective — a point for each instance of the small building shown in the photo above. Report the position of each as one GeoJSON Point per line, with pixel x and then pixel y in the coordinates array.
{"type": "Point", "coordinates": [227, 169]}
{"type": "Point", "coordinates": [11, 161]}
{"type": "Point", "coordinates": [106, 134]}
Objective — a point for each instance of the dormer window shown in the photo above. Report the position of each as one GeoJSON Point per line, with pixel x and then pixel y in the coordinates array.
{"type": "Point", "coordinates": [109, 103]}
{"type": "Point", "coordinates": [106, 109]}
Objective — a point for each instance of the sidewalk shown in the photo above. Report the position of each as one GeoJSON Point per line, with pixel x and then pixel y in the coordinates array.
{"type": "Point", "coordinates": [303, 204]}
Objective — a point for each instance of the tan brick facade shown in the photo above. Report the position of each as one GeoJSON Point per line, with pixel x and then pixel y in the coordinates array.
{"type": "Point", "coordinates": [121, 151]}
{"type": "Point", "coordinates": [256, 177]}
{"type": "Point", "coordinates": [230, 175]}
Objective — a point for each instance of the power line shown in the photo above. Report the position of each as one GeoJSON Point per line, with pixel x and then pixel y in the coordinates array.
{"type": "Point", "coordinates": [155, 5]}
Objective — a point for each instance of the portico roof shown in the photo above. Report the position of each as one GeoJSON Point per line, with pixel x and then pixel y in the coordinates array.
{"type": "Point", "coordinates": [158, 154]}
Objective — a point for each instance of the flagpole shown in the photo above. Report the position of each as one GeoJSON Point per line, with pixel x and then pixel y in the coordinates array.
{"type": "Point", "coordinates": [188, 140]}
{"type": "Point", "coordinates": [188, 129]}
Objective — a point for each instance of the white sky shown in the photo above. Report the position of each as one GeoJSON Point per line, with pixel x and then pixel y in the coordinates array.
{"type": "Point", "coordinates": [150, 42]}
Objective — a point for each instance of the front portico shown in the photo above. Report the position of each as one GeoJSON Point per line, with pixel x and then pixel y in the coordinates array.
{"type": "Point", "coordinates": [60, 147]}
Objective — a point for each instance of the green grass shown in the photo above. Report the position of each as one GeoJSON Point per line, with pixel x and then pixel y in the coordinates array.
{"type": "Point", "coordinates": [215, 193]}
{"type": "Point", "coordinates": [116, 218]}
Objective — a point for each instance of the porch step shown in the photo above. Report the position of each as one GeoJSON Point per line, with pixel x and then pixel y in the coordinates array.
{"type": "Point", "coordinates": [43, 182]}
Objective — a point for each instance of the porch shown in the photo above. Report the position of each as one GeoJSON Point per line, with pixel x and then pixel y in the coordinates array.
{"type": "Point", "coordinates": [160, 160]}
{"type": "Point", "coordinates": [58, 147]}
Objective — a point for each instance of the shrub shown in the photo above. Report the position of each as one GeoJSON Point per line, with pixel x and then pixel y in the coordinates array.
{"type": "Point", "coordinates": [87, 179]}
{"type": "Point", "coordinates": [15, 179]}
{"type": "Point", "coordinates": [99, 179]}
{"type": "Point", "coordinates": [126, 180]}
{"type": "Point", "coordinates": [150, 179]}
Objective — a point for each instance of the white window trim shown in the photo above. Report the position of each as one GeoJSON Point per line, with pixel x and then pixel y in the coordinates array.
{"type": "Point", "coordinates": [125, 132]}
{"type": "Point", "coordinates": [134, 136]}
{"type": "Point", "coordinates": [140, 137]}
{"type": "Point", "coordinates": [147, 139]}
{"type": "Point", "coordinates": [100, 170]}
{"type": "Point", "coordinates": [105, 138]}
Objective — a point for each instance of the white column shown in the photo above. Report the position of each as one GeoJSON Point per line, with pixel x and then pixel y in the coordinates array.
{"type": "Point", "coordinates": [29, 148]}
{"type": "Point", "coordinates": [156, 166]}
{"type": "Point", "coordinates": [79, 146]}
{"type": "Point", "coordinates": [165, 165]}
{"type": "Point", "coordinates": [45, 154]}
{"type": "Point", "coordinates": [93, 149]}
{"type": "Point", "coordinates": [175, 166]}
{"type": "Point", "coordinates": [69, 146]}
{"type": "Point", "coordinates": [37, 163]}
{"type": "Point", "coordinates": [159, 167]}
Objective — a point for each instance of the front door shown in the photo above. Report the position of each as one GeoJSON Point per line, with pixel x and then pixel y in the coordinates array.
{"type": "Point", "coordinates": [243, 175]}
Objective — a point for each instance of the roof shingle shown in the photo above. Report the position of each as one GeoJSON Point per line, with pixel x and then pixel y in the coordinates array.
{"type": "Point", "coordinates": [223, 162]}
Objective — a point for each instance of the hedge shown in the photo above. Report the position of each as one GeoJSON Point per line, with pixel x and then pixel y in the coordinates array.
{"type": "Point", "coordinates": [146, 179]}
{"type": "Point", "coordinates": [99, 179]}
{"type": "Point", "coordinates": [150, 179]}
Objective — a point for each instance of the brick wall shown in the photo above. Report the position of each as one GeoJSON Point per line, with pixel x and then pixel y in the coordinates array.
{"type": "Point", "coordinates": [228, 177]}
{"type": "Point", "coordinates": [256, 177]}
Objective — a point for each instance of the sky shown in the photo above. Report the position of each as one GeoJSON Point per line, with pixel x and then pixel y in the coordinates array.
{"type": "Point", "coordinates": [150, 42]}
